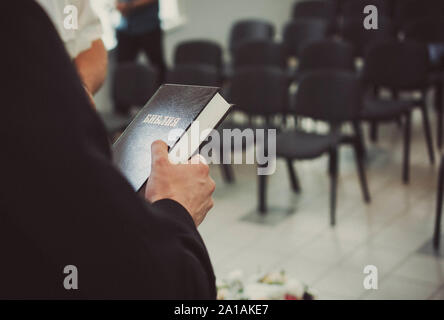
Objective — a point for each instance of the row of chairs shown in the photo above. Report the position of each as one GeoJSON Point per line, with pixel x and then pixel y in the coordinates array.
{"type": "Point", "coordinates": [335, 12]}
{"type": "Point", "coordinates": [330, 98]}
{"type": "Point", "coordinates": [254, 46]}
{"type": "Point", "coordinates": [408, 70]}
{"type": "Point", "coordinates": [298, 34]}
{"type": "Point", "coordinates": [200, 62]}
{"type": "Point", "coordinates": [313, 57]}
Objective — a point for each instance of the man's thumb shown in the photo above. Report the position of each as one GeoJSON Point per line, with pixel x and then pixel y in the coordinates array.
{"type": "Point", "coordinates": [159, 150]}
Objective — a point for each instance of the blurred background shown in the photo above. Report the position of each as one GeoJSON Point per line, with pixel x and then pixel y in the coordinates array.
{"type": "Point", "coordinates": [359, 118]}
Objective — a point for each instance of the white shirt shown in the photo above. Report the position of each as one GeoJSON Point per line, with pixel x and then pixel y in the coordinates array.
{"type": "Point", "coordinates": [88, 23]}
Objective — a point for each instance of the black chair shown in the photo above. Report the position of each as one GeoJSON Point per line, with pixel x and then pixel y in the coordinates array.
{"type": "Point", "coordinates": [327, 54]}
{"type": "Point", "coordinates": [398, 67]}
{"type": "Point", "coordinates": [313, 57]}
{"type": "Point", "coordinates": [261, 52]}
{"type": "Point", "coordinates": [317, 9]}
{"type": "Point", "coordinates": [353, 8]}
{"type": "Point", "coordinates": [407, 11]}
{"type": "Point", "coordinates": [200, 75]}
{"type": "Point", "coordinates": [327, 95]}
{"type": "Point", "coordinates": [246, 30]}
{"type": "Point", "coordinates": [198, 52]}
{"type": "Point", "coordinates": [133, 85]}
{"type": "Point", "coordinates": [301, 32]}
{"type": "Point", "coordinates": [353, 31]}
{"type": "Point", "coordinates": [258, 92]}
{"type": "Point", "coordinates": [337, 5]}
{"type": "Point", "coordinates": [439, 201]}
{"type": "Point", "coordinates": [428, 30]}
{"type": "Point", "coordinates": [431, 32]}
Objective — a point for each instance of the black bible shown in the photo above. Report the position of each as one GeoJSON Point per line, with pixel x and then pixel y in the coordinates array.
{"type": "Point", "coordinates": [171, 115]}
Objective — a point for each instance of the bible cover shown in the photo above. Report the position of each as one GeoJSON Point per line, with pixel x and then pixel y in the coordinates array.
{"type": "Point", "coordinates": [171, 107]}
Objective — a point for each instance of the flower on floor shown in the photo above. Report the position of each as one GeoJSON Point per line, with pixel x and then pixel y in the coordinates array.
{"type": "Point", "coordinates": [271, 286]}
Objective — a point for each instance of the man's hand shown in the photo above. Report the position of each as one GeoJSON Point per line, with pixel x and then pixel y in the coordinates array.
{"type": "Point", "coordinates": [188, 184]}
{"type": "Point", "coordinates": [92, 65]}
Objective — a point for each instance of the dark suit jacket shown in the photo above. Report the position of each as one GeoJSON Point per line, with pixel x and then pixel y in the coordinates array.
{"type": "Point", "coordinates": [62, 202]}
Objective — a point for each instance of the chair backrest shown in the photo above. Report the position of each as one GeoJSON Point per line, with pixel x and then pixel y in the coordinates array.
{"type": "Point", "coordinates": [330, 95]}
{"type": "Point", "coordinates": [327, 54]}
{"type": "Point", "coordinates": [353, 8]}
{"type": "Point", "coordinates": [301, 32]}
{"type": "Point", "coordinates": [198, 52]}
{"type": "Point", "coordinates": [259, 53]}
{"type": "Point", "coordinates": [134, 84]}
{"type": "Point", "coordinates": [199, 75]}
{"type": "Point", "coordinates": [336, 5]}
{"type": "Point", "coordinates": [246, 30]}
{"type": "Point", "coordinates": [407, 11]}
{"type": "Point", "coordinates": [361, 38]}
{"type": "Point", "coordinates": [314, 9]}
{"type": "Point", "coordinates": [397, 65]}
{"type": "Point", "coordinates": [260, 90]}
{"type": "Point", "coordinates": [427, 30]}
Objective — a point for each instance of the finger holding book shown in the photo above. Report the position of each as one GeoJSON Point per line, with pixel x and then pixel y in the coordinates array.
{"type": "Point", "coordinates": [188, 184]}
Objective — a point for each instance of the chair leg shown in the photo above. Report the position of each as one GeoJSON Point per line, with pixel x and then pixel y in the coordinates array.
{"type": "Point", "coordinates": [226, 168]}
{"type": "Point", "coordinates": [427, 132]}
{"type": "Point", "coordinates": [333, 166]}
{"type": "Point", "coordinates": [407, 138]}
{"type": "Point", "coordinates": [357, 128]}
{"type": "Point", "coordinates": [439, 200]}
{"type": "Point", "coordinates": [227, 172]}
{"type": "Point", "coordinates": [361, 172]}
{"type": "Point", "coordinates": [439, 113]}
{"type": "Point", "coordinates": [374, 131]}
{"type": "Point", "coordinates": [376, 91]}
{"type": "Point", "coordinates": [262, 194]}
{"type": "Point", "coordinates": [293, 177]}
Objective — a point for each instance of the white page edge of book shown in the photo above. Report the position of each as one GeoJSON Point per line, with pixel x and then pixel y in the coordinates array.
{"type": "Point", "coordinates": [207, 119]}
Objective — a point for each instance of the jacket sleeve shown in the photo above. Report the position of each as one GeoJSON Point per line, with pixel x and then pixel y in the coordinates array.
{"type": "Point", "coordinates": [62, 200]}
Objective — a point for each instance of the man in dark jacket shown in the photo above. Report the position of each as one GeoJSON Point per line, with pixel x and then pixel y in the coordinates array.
{"type": "Point", "coordinates": [63, 203]}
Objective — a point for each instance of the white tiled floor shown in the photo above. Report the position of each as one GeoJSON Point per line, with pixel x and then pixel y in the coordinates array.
{"type": "Point", "coordinates": [422, 268]}
{"type": "Point", "coordinates": [439, 295]}
{"type": "Point", "coordinates": [399, 288]}
{"type": "Point", "coordinates": [386, 233]}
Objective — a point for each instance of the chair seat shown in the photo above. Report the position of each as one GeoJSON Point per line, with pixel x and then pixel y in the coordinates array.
{"type": "Point", "coordinates": [379, 109]}
{"type": "Point", "coordinates": [435, 77]}
{"type": "Point", "coordinates": [230, 125]}
{"type": "Point", "coordinates": [303, 145]}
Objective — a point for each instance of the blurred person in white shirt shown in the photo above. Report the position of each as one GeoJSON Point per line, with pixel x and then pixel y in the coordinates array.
{"type": "Point", "coordinates": [83, 41]}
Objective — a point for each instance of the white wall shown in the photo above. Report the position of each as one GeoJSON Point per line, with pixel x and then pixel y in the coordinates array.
{"type": "Point", "coordinates": [212, 19]}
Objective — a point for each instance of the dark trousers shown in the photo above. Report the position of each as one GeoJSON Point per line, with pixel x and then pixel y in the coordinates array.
{"type": "Point", "coordinates": [151, 43]}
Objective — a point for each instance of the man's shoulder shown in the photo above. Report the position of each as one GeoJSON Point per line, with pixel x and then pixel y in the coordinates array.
{"type": "Point", "coordinates": [20, 15]}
